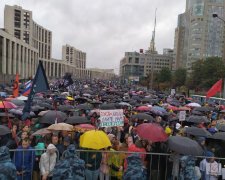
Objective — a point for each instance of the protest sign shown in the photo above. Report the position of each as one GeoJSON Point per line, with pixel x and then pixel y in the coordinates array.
{"type": "Point", "coordinates": [111, 118]}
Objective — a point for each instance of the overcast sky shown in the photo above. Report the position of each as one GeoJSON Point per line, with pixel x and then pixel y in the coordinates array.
{"type": "Point", "coordinates": [104, 29]}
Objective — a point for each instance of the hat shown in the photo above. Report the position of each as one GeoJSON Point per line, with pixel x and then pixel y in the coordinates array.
{"type": "Point", "coordinates": [40, 146]}
{"type": "Point", "coordinates": [209, 154]}
{"type": "Point", "coordinates": [66, 139]}
{"type": "Point", "coordinates": [51, 146]}
{"type": "Point", "coordinates": [168, 131]}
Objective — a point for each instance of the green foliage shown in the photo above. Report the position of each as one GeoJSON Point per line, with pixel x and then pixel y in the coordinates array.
{"type": "Point", "coordinates": [179, 77]}
{"type": "Point", "coordinates": [164, 75]}
{"type": "Point", "coordinates": [206, 73]}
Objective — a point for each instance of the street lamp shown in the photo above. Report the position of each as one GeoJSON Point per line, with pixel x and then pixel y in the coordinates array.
{"type": "Point", "coordinates": [214, 15]}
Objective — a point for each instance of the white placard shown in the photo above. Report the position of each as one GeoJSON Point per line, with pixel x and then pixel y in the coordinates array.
{"type": "Point", "coordinates": [111, 118]}
{"type": "Point", "coordinates": [182, 115]}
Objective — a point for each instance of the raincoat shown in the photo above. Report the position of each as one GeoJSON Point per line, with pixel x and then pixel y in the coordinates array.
{"type": "Point", "coordinates": [47, 161]}
{"type": "Point", "coordinates": [71, 167]}
{"type": "Point", "coordinates": [7, 168]}
{"type": "Point", "coordinates": [135, 169]}
{"type": "Point", "coordinates": [187, 170]}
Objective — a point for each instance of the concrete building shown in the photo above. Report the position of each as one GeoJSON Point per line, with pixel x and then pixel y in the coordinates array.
{"type": "Point", "coordinates": [199, 35]}
{"type": "Point", "coordinates": [136, 65]}
{"type": "Point", "coordinates": [97, 73]}
{"type": "Point", "coordinates": [23, 43]}
{"type": "Point", "coordinates": [73, 56]}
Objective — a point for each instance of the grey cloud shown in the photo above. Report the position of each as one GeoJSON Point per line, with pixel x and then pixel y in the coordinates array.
{"type": "Point", "coordinates": [105, 29]}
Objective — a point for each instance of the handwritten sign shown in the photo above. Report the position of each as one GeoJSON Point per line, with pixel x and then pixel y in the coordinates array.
{"type": "Point", "coordinates": [111, 118]}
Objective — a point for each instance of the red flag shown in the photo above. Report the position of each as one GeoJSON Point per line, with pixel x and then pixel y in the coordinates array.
{"type": "Point", "coordinates": [16, 86]}
{"type": "Point", "coordinates": [217, 87]}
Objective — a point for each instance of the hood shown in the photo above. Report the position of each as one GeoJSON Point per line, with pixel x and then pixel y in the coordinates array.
{"type": "Point", "coordinates": [71, 151]}
{"type": "Point", "coordinates": [51, 146]}
{"type": "Point", "coordinates": [134, 160]}
{"type": "Point", "coordinates": [4, 154]}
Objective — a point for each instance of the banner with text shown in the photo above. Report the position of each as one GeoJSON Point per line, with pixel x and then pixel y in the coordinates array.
{"type": "Point", "coordinates": [110, 118]}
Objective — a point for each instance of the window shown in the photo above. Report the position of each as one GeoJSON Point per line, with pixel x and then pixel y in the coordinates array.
{"type": "Point", "coordinates": [136, 60]}
{"type": "Point", "coordinates": [130, 59]}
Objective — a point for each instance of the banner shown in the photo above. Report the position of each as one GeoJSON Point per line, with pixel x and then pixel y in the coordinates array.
{"type": "Point", "coordinates": [111, 118]}
{"type": "Point", "coordinates": [182, 115]}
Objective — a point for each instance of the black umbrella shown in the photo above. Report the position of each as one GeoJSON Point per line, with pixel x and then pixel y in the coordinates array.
{"type": "Point", "coordinates": [143, 116]}
{"type": "Point", "coordinates": [202, 109]}
{"type": "Point", "coordinates": [198, 113]}
{"type": "Point", "coordinates": [197, 119]}
{"type": "Point", "coordinates": [37, 108]}
{"type": "Point", "coordinates": [4, 130]}
{"type": "Point", "coordinates": [197, 132]}
{"type": "Point", "coordinates": [18, 102]}
{"type": "Point", "coordinates": [46, 105]}
{"type": "Point", "coordinates": [77, 120]}
{"type": "Point", "coordinates": [108, 106]}
{"type": "Point", "coordinates": [3, 114]}
{"type": "Point", "coordinates": [219, 135]}
{"type": "Point", "coordinates": [184, 145]}
{"type": "Point", "coordinates": [65, 108]}
{"type": "Point", "coordinates": [52, 116]}
{"type": "Point", "coordinates": [84, 106]}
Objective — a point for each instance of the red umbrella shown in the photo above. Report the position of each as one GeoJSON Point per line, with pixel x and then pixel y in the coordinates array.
{"type": "Point", "coordinates": [7, 105]}
{"type": "Point", "coordinates": [143, 108]}
{"type": "Point", "coordinates": [173, 108]}
{"type": "Point", "coordinates": [152, 132]}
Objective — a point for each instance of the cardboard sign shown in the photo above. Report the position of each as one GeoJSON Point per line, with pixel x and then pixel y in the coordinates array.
{"type": "Point", "coordinates": [111, 118]}
{"type": "Point", "coordinates": [182, 115]}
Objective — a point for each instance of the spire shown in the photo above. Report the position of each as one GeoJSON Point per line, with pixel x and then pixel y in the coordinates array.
{"type": "Point", "coordinates": [152, 48]}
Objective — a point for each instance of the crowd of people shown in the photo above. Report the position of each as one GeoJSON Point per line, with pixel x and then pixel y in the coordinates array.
{"type": "Point", "coordinates": [25, 154]}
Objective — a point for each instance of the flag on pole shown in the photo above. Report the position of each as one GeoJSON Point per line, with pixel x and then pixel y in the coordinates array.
{"type": "Point", "coordinates": [39, 84]}
{"type": "Point", "coordinates": [16, 86]}
{"type": "Point", "coordinates": [217, 87]}
{"type": "Point", "coordinates": [27, 89]}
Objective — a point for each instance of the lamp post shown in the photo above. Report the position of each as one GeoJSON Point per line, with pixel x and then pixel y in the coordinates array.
{"type": "Point", "coordinates": [214, 15]}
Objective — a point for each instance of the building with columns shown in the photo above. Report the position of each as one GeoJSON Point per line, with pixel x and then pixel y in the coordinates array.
{"type": "Point", "coordinates": [23, 43]}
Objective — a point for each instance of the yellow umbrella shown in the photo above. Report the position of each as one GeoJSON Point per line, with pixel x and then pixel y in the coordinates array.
{"type": "Point", "coordinates": [94, 140]}
{"type": "Point", "coordinates": [69, 98]}
{"type": "Point", "coordinates": [60, 127]}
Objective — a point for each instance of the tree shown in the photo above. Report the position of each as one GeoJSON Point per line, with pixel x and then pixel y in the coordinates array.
{"type": "Point", "coordinates": [164, 75]}
{"type": "Point", "coordinates": [179, 77]}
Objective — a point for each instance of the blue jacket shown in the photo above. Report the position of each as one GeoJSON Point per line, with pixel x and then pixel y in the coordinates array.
{"type": "Point", "coordinates": [7, 168]}
{"type": "Point", "coordinates": [24, 160]}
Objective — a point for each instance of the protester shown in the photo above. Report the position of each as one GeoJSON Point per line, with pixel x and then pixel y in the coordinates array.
{"type": "Point", "coordinates": [47, 162]}
{"type": "Point", "coordinates": [7, 168]}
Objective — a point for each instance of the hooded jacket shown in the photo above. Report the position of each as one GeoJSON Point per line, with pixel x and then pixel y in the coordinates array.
{"type": "Point", "coordinates": [7, 168]}
{"type": "Point", "coordinates": [135, 170]}
{"type": "Point", "coordinates": [47, 161]}
{"type": "Point", "coordinates": [71, 167]}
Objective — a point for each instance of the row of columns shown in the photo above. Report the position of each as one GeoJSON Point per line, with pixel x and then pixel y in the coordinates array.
{"type": "Point", "coordinates": [17, 58]}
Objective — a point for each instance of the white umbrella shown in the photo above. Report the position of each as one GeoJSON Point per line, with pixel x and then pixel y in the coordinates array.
{"type": "Point", "coordinates": [60, 127]}
{"type": "Point", "coordinates": [23, 98]}
{"type": "Point", "coordinates": [193, 105]}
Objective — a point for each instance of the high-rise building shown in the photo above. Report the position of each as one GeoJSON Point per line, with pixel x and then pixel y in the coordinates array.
{"type": "Point", "coordinates": [198, 35]}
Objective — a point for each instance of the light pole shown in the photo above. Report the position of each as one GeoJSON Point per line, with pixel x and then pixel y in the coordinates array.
{"type": "Point", "coordinates": [214, 15]}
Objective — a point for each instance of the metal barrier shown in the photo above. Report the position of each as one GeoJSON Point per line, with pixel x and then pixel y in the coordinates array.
{"type": "Point", "coordinates": [159, 166]}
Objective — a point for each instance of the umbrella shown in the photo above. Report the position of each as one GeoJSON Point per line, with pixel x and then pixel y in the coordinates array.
{"type": "Point", "coordinates": [193, 105]}
{"type": "Point", "coordinates": [219, 135]}
{"type": "Point", "coordinates": [65, 107]}
{"type": "Point", "coordinates": [198, 113]}
{"type": "Point", "coordinates": [108, 106]}
{"type": "Point", "coordinates": [42, 113]}
{"type": "Point", "coordinates": [184, 108]}
{"type": "Point", "coordinates": [7, 105]}
{"type": "Point", "coordinates": [94, 140]}
{"type": "Point", "coordinates": [4, 130]}
{"type": "Point", "coordinates": [60, 127]}
{"type": "Point", "coordinates": [142, 116]}
{"type": "Point", "coordinates": [202, 109]}
{"type": "Point", "coordinates": [124, 104]}
{"type": "Point", "coordinates": [51, 116]}
{"type": "Point", "coordinates": [22, 98]}
{"type": "Point", "coordinates": [152, 132]}
{"type": "Point", "coordinates": [45, 105]}
{"type": "Point", "coordinates": [20, 112]}
{"type": "Point", "coordinates": [37, 108]}
{"type": "Point", "coordinates": [173, 108]}
{"type": "Point", "coordinates": [197, 132]}
{"type": "Point", "coordinates": [3, 114]}
{"type": "Point", "coordinates": [42, 131]}
{"type": "Point", "coordinates": [143, 108]}
{"type": "Point", "coordinates": [77, 120]}
{"type": "Point", "coordinates": [17, 102]}
{"type": "Point", "coordinates": [84, 106]}
{"type": "Point", "coordinates": [197, 119]}
{"type": "Point", "coordinates": [84, 127]}
{"type": "Point", "coordinates": [158, 110]}
{"type": "Point", "coordinates": [184, 145]}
